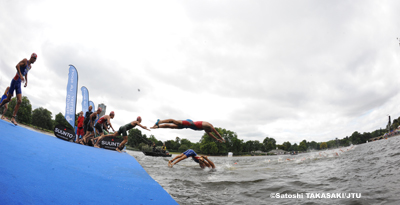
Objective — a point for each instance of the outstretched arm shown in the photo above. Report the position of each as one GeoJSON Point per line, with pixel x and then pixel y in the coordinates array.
{"type": "Point", "coordinates": [109, 122]}
{"type": "Point", "coordinates": [209, 162]}
{"type": "Point", "coordinates": [144, 127]}
{"type": "Point", "coordinates": [217, 133]}
{"type": "Point", "coordinates": [210, 134]}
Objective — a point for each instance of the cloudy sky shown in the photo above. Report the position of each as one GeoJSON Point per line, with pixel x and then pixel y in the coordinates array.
{"type": "Point", "coordinates": [291, 70]}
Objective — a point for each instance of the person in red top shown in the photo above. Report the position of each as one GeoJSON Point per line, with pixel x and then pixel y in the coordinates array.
{"type": "Point", "coordinates": [197, 125]}
{"type": "Point", "coordinates": [79, 131]}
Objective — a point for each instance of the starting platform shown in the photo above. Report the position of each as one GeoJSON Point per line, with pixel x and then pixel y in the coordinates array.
{"type": "Point", "coordinates": [36, 168]}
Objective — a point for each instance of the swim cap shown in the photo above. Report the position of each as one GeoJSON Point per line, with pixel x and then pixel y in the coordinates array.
{"type": "Point", "coordinates": [99, 109]}
{"type": "Point", "coordinates": [112, 113]}
{"type": "Point", "coordinates": [138, 118]}
{"type": "Point", "coordinates": [34, 55]}
{"type": "Point", "coordinates": [196, 159]}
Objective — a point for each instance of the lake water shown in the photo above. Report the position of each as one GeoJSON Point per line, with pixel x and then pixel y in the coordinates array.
{"type": "Point", "coordinates": [362, 174]}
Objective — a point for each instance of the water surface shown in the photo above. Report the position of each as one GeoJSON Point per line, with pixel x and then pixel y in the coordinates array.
{"type": "Point", "coordinates": [371, 170]}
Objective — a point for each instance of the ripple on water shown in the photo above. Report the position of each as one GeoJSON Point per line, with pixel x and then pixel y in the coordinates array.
{"type": "Point", "coordinates": [370, 169]}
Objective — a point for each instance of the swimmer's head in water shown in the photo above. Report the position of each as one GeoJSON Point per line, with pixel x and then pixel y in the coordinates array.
{"type": "Point", "coordinates": [139, 119]}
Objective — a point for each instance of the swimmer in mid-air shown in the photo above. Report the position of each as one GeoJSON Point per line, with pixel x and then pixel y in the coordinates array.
{"type": "Point", "coordinates": [122, 131]}
{"type": "Point", "coordinates": [197, 125]}
{"type": "Point", "coordinates": [202, 160]}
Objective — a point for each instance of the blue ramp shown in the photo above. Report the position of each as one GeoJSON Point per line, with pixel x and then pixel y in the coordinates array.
{"type": "Point", "coordinates": [39, 169]}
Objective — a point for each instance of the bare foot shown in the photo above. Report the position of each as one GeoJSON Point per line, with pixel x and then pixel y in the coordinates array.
{"type": "Point", "coordinates": [13, 121]}
{"type": "Point", "coordinates": [170, 164]}
{"type": "Point", "coordinates": [156, 125]}
{"type": "Point", "coordinates": [118, 149]}
{"type": "Point", "coordinates": [97, 146]}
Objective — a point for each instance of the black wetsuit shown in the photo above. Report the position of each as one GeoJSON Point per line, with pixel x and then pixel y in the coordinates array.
{"type": "Point", "coordinates": [85, 122]}
{"type": "Point", "coordinates": [89, 126]}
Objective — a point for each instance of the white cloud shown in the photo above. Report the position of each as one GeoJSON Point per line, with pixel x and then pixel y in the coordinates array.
{"type": "Point", "coordinates": [313, 70]}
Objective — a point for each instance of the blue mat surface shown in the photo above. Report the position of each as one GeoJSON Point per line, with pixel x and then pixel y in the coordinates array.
{"type": "Point", "coordinates": [39, 169]}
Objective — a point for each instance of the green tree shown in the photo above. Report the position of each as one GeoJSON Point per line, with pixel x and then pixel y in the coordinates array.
{"type": "Point", "coordinates": [294, 147]}
{"type": "Point", "coordinates": [269, 143]}
{"type": "Point", "coordinates": [60, 120]}
{"type": "Point", "coordinates": [209, 148]}
{"type": "Point", "coordinates": [153, 139]}
{"type": "Point", "coordinates": [170, 144]}
{"type": "Point", "coordinates": [356, 138]}
{"type": "Point", "coordinates": [313, 145]}
{"type": "Point", "coordinates": [287, 145]}
{"type": "Point", "coordinates": [135, 137]}
{"type": "Point", "coordinates": [366, 136]}
{"type": "Point", "coordinates": [177, 143]}
{"type": "Point", "coordinates": [232, 144]}
{"type": "Point", "coordinates": [395, 124]}
{"type": "Point", "coordinates": [208, 145]}
{"type": "Point", "coordinates": [249, 146]}
{"type": "Point", "coordinates": [186, 142]}
{"type": "Point", "coordinates": [332, 143]}
{"type": "Point", "coordinates": [345, 142]}
{"type": "Point", "coordinates": [24, 113]}
{"type": "Point", "coordinates": [303, 146]}
{"type": "Point", "coordinates": [183, 148]}
{"type": "Point", "coordinates": [195, 147]}
{"type": "Point", "coordinates": [41, 117]}
{"type": "Point", "coordinates": [258, 145]}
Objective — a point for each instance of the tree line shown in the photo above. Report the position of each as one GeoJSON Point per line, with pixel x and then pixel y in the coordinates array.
{"type": "Point", "coordinates": [39, 117]}
{"type": "Point", "coordinates": [42, 118]}
{"type": "Point", "coordinates": [208, 145]}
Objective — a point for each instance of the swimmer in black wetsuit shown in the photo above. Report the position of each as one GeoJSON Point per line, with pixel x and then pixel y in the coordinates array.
{"type": "Point", "coordinates": [90, 127]}
{"type": "Point", "coordinates": [87, 118]}
{"type": "Point", "coordinates": [103, 122]}
{"type": "Point", "coordinates": [197, 125]}
{"type": "Point", "coordinates": [123, 131]}
{"type": "Point", "coordinates": [202, 160]}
